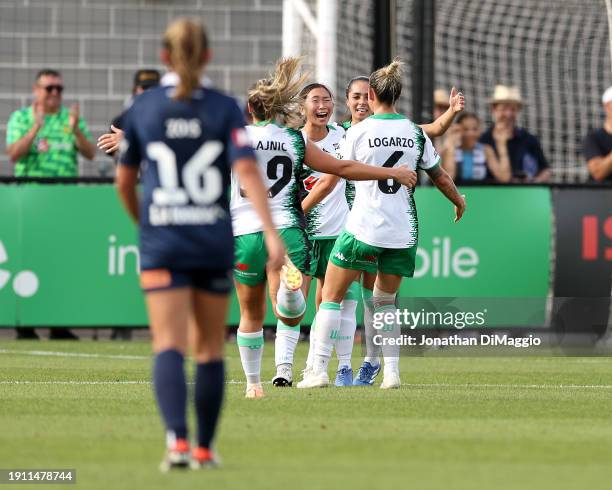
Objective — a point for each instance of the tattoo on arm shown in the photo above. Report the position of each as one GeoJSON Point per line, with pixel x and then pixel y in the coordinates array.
{"type": "Point", "coordinates": [445, 184]}
{"type": "Point", "coordinates": [434, 172]}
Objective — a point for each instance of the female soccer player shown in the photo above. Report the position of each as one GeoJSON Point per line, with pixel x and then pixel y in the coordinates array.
{"type": "Point", "coordinates": [188, 138]}
{"type": "Point", "coordinates": [357, 103]}
{"type": "Point", "coordinates": [357, 100]}
{"type": "Point", "coordinates": [381, 232]}
{"type": "Point", "coordinates": [281, 153]}
{"type": "Point", "coordinates": [326, 210]}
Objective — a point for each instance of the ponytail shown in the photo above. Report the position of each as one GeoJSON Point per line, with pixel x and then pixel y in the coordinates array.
{"type": "Point", "coordinates": [277, 97]}
{"type": "Point", "coordinates": [386, 82]}
{"type": "Point", "coordinates": [186, 42]}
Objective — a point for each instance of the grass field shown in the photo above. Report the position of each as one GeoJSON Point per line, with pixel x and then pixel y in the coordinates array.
{"type": "Point", "coordinates": [457, 423]}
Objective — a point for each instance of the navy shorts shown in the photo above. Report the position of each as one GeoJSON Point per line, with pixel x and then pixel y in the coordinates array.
{"type": "Point", "coordinates": [217, 281]}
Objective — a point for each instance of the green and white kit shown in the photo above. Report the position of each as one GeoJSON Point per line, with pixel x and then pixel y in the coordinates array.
{"type": "Point", "coordinates": [280, 157]}
{"type": "Point", "coordinates": [384, 212]}
{"type": "Point", "coordinates": [326, 219]}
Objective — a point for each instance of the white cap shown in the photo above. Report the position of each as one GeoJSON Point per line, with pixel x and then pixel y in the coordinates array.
{"type": "Point", "coordinates": [607, 96]}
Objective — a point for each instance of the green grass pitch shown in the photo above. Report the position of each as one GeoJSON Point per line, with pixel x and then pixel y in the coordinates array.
{"type": "Point", "coordinates": [457, 423]}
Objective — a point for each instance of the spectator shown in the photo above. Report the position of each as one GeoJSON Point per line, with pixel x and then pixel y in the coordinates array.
{"type": "Point", "coordinates": [143, 80]}
{"type": "Point", "coordinates": [463, 156]}
{"type": "Point", "coordinates": [43, 140]}
{"type": "Point", "coordinates": [598, 144]}
{"type": "Point", "coordinates": [507, 145]}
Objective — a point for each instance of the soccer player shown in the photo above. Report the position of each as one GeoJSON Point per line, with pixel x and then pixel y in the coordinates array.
{"type": "Point", "coordinates": [185, 138]}
{"type": "Point", "coordinates": [382, 231]}
{"type": "Point", "coordinates": [357, 100]}
{"type": "Point", "coordinates": [281, 154]}
{"type": "Point", "coordinates": [326, 210]}
{"type": "Point", "coordinates": [357, 103]}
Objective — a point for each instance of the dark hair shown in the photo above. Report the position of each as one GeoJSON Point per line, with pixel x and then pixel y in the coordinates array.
{"type": "Point", "coordinates": [386, 82]}
{"type": "Point", "coordinates": [310, 87]}
{"type": "Point", "coordinates": [467, 115]}
{"type": "Point", "coordinates": [48, 72]}
{"type": "Point", "coordinates": [360, 78]}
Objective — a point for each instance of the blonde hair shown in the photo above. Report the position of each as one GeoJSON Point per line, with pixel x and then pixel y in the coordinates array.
{"type": "Point", "coordinates": [277, 97]}
{"type": "Point", "coordinates": [186, 42]}
{"type": "Point", "coordinates": [387, 82]}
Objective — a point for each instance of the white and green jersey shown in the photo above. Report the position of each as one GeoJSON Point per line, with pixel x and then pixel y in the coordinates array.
{"type": "Point", "coordinates": [384, 213]}
{"type": "Point", "coordinates": [280, 158]}
{"type": "Point", "coordinates": [327, 218]}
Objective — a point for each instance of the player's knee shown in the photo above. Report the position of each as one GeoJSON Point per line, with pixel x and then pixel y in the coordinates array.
{"type": "Point", "coordinates": [290, 322]}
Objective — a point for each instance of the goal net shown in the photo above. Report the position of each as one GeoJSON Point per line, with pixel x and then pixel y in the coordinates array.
{"type": "Point", "coordinates": [556, 52]}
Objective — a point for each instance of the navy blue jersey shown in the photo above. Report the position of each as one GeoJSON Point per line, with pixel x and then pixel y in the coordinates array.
{"type": "Point", "coordinates": [185, 150]}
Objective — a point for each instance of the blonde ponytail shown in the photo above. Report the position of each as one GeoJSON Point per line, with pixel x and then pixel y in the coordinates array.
{"type": "Point", "coordinates": [277, 97]}
{"type": "Point", "coordinates": [186, 42]}
{"type": "Point", "coordinates": [387, 82]}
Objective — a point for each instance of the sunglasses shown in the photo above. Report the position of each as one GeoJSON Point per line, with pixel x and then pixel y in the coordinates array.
{"type": "Point", "coordinates": [50, 88]}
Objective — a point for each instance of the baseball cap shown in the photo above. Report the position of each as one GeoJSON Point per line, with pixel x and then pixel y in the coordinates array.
{"type": "Point", "coordinates": [146, 78]}
{"type": "Point", "coordinates": [607, 96]}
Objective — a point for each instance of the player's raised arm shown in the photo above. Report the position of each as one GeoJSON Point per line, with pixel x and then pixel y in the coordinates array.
{"type": "Point", "coordinates": [440, 125]}
{"type": "Point", "coordinates": [351, 169]}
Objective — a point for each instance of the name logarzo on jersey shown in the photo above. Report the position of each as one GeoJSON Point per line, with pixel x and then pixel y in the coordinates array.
{"type": "Point", "coordinates": [384, 212]}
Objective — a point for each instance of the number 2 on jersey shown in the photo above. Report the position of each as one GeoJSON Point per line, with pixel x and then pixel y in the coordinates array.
{"type": "Point", "coordinates": [203, 182]}
{"type": "Point", "coordinates": [272, 173]}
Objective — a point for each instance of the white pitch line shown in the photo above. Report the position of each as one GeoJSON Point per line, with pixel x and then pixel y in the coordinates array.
{"type": "Point", "coordinates": [73, 354]}
{"type": "Point", "coordinates": [493, 385]}
{"type": "Point", "coordinates": [75, 382]}
{"type": "Point", "coordinates": [407, 385]}
{"type": "Point", "coordinates": [85, 383]}
{"type": "Point", "coordinates": [82, 355]}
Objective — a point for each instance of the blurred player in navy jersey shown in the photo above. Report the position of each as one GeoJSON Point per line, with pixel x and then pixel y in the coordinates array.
{"type": "Point", "coordinates": [144, 79]}
{"type": "Point", "coordinates": [185, 139]}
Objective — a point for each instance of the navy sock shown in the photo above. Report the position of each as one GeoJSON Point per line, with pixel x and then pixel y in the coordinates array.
{"type": "Point", "coordinates": [171, 391]}
{"type": "Point", "coordinates": [209, 386]}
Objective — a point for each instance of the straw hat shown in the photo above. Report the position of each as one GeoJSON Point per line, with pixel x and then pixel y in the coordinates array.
{"type": "Point", "coordinates": [441, 97]}
{"type": "Point", "coordinates": [504, 93]}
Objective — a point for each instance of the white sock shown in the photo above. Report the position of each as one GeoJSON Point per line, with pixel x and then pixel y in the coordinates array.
{"type": "Point", "coordinates": [250, 346]}
{"type": "Point", "coordinates": [285, 343]}
{"type": "Point", "coordinates": [312, 342]}
{"type": "Point", "coordinates": [385, 303]}
{"type": "Point", "coordinates": [346, 334]}
{"type": "Point", "coordinates": [391, 364]}
{"type": "Point", "coordinates": [372, 350]}
{"type": "Point", "coordinates": [290, 304]}
{"type": "Point", "coordinates": [328, 324]}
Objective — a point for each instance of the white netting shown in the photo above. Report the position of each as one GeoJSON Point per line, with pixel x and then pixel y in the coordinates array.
{"type": "Point", "coordinates": [355, 45]}
{"type": "Point", "coordinates": [355, 48]}
{"type": "Point", "coordinates": [557, 52]}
